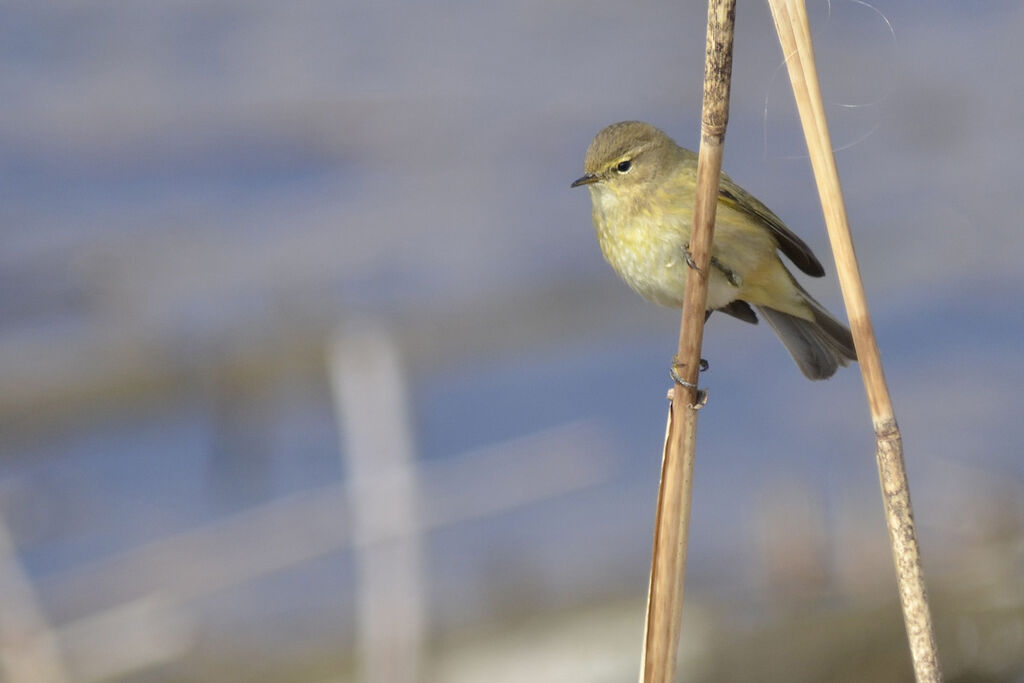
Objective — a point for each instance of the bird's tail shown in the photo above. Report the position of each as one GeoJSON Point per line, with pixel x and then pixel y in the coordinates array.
{"type": "Point", "coordinates": [818, 346]}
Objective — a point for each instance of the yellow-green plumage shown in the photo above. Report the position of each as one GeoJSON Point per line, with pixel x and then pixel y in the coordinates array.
{"type": "Point", "coordinates": [642, 188]}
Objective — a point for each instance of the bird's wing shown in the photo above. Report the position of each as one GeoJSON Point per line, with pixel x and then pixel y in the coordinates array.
{"type": "Point", "coordinates": [741, 310]}
{"type": "Point", "coordinates": [732, 195]}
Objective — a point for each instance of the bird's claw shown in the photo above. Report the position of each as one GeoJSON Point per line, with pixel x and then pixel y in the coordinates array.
{"type": "Point", "coordinates": [701, 394]}
{"type": "Point", "coordinates": [688, 255]}
{"type": "Point", "coordinates": [732, 276]}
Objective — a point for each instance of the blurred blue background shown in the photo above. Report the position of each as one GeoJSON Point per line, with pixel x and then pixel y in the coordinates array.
{"type": "Point", "coordinates": [308, 353]}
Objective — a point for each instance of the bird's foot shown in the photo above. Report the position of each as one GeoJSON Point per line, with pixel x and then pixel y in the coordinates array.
{"type": "Point", "coordinates": [701, 394]}
{"type": "Point", "coordinates": [688, 255]}
{"type": "Point", "coordinates": [731, 275]}
{"type": "Point", "coordinates": [734, 279]}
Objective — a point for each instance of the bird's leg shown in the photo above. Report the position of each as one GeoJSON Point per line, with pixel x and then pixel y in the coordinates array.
{"type": "Point", "coordinates": [730, 274]}
{"type": "Point", "coordinates": [676, 366]}
{"type": "Point", "coordinates": [702, 394]}
{"type": "Point", "coordinates": [689, 257]}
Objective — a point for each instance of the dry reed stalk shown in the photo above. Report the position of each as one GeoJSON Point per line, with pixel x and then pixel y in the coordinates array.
{"type": "Point", "coordinates": [795, 37]}
{"type": "Point", "coordinates": [672, 521]}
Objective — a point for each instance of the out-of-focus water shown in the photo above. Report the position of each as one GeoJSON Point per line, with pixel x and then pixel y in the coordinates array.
{"type": "Point", "coordinates": [186, 185]}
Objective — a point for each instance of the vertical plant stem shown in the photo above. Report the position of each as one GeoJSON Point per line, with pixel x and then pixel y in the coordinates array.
{"type": "Point", "coordinates": [795, 36]}
{"type": "Point", "coordinates": [672, 521]}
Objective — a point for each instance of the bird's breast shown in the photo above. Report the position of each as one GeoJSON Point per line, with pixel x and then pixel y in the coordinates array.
{"type": "Point", "coordinates": [644, 245]}
{"type": "Point", "coordinates": [644, 240]}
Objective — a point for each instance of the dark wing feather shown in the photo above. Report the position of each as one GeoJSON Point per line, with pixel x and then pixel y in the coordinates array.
{"type": "Point", "coordinates": [740, 310]}
{"type": "Point", "coordinates": [734, 196]}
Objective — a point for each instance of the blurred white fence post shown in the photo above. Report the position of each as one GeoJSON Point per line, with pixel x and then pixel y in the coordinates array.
{"type": "Point", "coordinates": [377, 445]}
{"type": "Point", "coordinates": [28, 647]}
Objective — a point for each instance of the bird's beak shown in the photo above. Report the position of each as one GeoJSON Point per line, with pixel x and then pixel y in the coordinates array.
{"type": "Point", "coordinates": [585, 179]}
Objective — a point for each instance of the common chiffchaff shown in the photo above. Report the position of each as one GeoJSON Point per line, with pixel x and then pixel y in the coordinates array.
{"type": "Point", "coordinates": [642, 188]}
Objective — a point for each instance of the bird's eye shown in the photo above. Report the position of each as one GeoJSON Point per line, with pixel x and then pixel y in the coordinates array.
{"type": "Point", "coordinates": [624, 166]}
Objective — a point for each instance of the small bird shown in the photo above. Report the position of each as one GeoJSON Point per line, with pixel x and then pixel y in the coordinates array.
{"type": "Point", "coordinates": [642, 187]}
